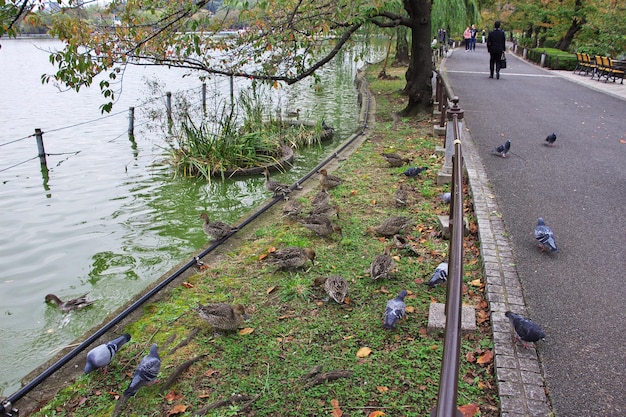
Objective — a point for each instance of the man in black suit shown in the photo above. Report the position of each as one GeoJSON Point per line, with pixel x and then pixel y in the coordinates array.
{"type": "Point", "coordinates": [496, 45]}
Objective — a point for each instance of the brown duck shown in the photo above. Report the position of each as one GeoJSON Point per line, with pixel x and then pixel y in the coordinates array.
{"type": "Point", "coordinates": [395, 160]}
{"type": "Point", "coordinates": [391, 226]}
{"type": "Point", "coordinates": [320, 224]}
{"type": "Point", "coordinates": [320, 198]}
{"type": "Point", "coordinates": [223, 316]}
{"type": "Point", "coordinates": [401, 197]}
{"type": "Point", "coordinates": [215, 229]}
{"type": "Point", "coordinates": [291, 257]}
{"type": "Point", "coordinates": [276, 187]}
{"type": "Point", "coordinates": [325, 209]}
{"type": "Point", "coordinates": [69, 305]}
{"type": "Point", "coordinates": [292, 208]}
{"type": "Point", "coordinates": [328, 181]}
{"type": "Point", "coordinates": [382, 265]}
{"type": "Point", "coordinates": [335, 286]}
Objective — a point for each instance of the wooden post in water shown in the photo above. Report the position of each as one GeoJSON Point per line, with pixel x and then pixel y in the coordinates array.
{"type": "Point", "coordinates": [40, 148]}
{"type": "Point", "coordinates": [204, 97]}
{"type": "Point", "coordinates": [232, 91]}
{"type": "Point", "coordinates": [131, 122]}
{"type": "Point", "coordinates": [168, 105]}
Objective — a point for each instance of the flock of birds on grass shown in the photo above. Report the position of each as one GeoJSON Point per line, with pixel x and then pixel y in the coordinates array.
{"type": "Point", "coordinates": [227, 317]}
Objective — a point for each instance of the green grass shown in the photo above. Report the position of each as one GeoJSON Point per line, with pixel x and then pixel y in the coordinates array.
{"type": "Point", "coordinates": [294, 329]}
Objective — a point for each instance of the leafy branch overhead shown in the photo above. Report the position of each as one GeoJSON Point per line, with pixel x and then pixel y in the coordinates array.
{"type": "Point", "coordinates": [277, 41]}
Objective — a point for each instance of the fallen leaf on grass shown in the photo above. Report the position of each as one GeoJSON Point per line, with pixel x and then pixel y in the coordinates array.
{"type": "Point", "coordinates": [485, 357]}
{"type": "Point", "coordinates": [409, 309]}
{"type": "Point", "coordinates": [376, 414]}
{"type": "Point", "coordinates": [187, 285]}
{"type": "Point", "coordinates": [469, 410]}
{"type": "Point", "coordinates": [337, 412]}
{"type": "Point", "coordinates": [172, 396]}
{"type": "Point", "coordinates": [270, 289]}
{"type": "Point", "coordinates": [247, 330]}
{"type": "Point", "coordinates": [210, 372]}
{"type": "Point", "coordinates": [177, 409]}
{"type": "Point", "coordinates": [476, 283]}
{"type": "Point", "coordinates": [263, 256]}
{"type": "Point", "coordinates": [382, 389]}
{"type": "Point", "coordinates": [364, 352]}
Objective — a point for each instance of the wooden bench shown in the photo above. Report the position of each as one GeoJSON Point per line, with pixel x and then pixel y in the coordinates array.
{"type": "Point", "coordinates": [608, 69]}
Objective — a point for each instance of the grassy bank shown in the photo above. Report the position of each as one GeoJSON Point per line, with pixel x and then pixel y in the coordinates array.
{"type": "Point", "coordinates": [266, 368]}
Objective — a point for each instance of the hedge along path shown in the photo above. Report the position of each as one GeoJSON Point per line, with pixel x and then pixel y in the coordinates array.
{"type": "Point", "coordinates": [294, 336]}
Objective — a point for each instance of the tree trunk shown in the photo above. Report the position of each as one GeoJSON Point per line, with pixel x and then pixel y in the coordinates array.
{"type": "Point", "coordinates": [420, 72]}
{"type": "Point", "coordinates": [402, 47]}
{"type": "Point", "coordinates": [564, 43]}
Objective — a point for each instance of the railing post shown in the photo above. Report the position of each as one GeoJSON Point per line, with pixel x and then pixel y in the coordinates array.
{"type": "Point", "coordinates": [444, 176]}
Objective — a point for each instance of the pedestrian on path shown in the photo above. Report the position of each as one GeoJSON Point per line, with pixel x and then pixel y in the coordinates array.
{"type": "Point", "coordinates": [473, 34]}
{"type": "Point", "coordinates": [467, 35]}
{"type": "Point", "coordinates": [496, 45]}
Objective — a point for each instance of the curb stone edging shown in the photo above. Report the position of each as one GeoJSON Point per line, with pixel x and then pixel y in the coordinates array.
{"type": "Point", "coordinates": [519, 378]}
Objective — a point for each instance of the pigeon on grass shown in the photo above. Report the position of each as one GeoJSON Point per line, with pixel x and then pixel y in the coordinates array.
{"type": "Point", "coordinates": [394, 311]}
{"type": "Point", "coordinates": [526, 330]}
{"type": "Point", "coordinates": [440, 276]}
{"type": "Point", "coordinates": [414, 171]}
{"type": "Point", "coordinates": [145, 373]}
{"type": "Point", "coordinates": [503, 149]}
{"type": "Point", "coordinates": [101, 355]}
{"type": "Point", "coordinates": [545, 236]}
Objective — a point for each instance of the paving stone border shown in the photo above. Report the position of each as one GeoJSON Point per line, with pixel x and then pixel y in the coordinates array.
{"type": "Point", "coordinates": [518, 372]}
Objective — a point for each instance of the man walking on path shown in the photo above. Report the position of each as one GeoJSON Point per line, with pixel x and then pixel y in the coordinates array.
{"type": "Point", "coordinates": [496, 45]}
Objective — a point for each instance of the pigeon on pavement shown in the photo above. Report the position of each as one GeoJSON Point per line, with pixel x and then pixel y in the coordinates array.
{"type": "Point", "coordinates": [545, 236]}
{"type": "Point", "coordinates": [526, 330]}
{"type": "Point", "coordinates": [503, 149]}
{"type": "Point", "coordinates": [394, 311]}
{"type": "Point", "coordinates": [145, 373]}
{"type": "Point", "coordinates": [101, 355]}
{"type": "Point", "coordinates": [551, 139]}
{"type": "Point", "coordinates": [440, 276]}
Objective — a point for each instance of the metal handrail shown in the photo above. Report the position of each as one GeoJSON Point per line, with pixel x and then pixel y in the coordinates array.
{"type": "Point", "coordinates": [449, 378]}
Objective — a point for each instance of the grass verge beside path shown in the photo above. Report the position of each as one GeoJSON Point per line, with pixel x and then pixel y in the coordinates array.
{"type": "Point", "coordinates": [293, 331]}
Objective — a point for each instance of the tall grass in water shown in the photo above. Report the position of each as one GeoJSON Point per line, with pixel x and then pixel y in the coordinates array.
{"type": "Point", "coordinates": [231, 140]}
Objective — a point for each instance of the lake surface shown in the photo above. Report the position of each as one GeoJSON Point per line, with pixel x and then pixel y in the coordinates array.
{"type": "Point", "coordinates": [109, 216]}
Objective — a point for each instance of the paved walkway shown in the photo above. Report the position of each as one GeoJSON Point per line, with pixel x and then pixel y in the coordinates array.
{"type": "Point", "coordinates": [579, 187]}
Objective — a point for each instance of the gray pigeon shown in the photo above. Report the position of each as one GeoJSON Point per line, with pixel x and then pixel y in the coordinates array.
{"type": "Point", "coordinates": [394, 311]}
{"type": "Point", "coordinates": [101, 355]}
{"type": "Point", "coordinates": [526, 330]}
{"type": "Point", "coordinates": [440, 276]}
{"type": "Point", "coordinates": [414, 171]}
{"type": "Point", "coordinates": [545, 236]}
{"type": "Point", "coordinates": [503, 149]}
{"type": "Point", "coordinates": [445, 197]}
{"type": "Point", "coordinates": [551, 139]}
{"type": "Point", "coordinates": [145, 373]}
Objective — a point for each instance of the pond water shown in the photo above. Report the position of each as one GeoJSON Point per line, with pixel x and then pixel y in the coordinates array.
{"type": "Point", "coordinates": [109, 216]}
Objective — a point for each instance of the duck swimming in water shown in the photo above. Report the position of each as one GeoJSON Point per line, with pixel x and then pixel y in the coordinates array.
{"type": "Point", "coordinates": [215, 229]}
{"type": "Point", "coordinates": [69, 305]}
